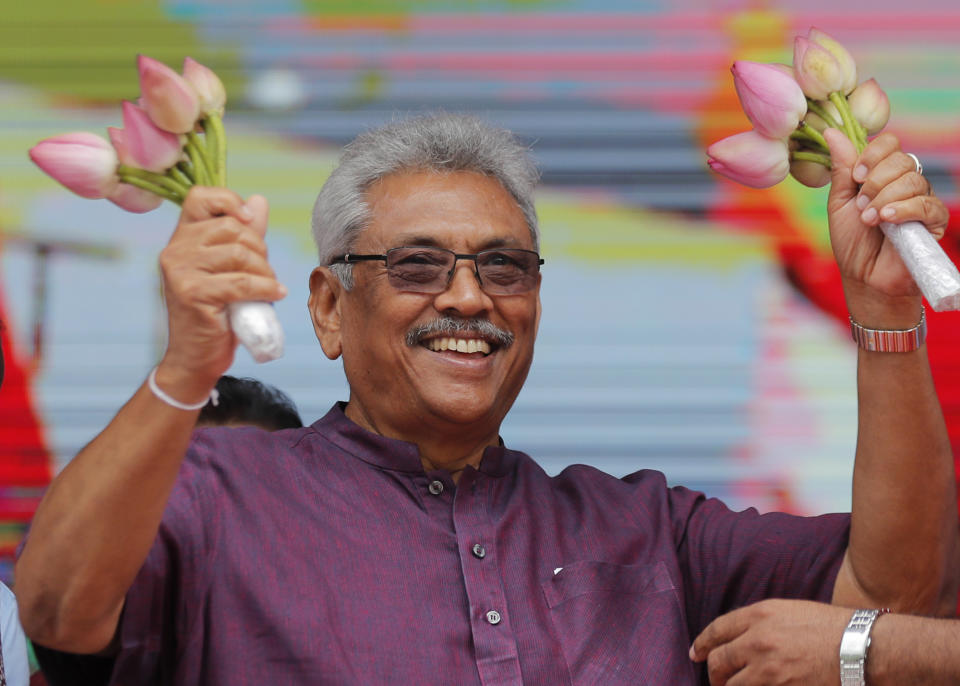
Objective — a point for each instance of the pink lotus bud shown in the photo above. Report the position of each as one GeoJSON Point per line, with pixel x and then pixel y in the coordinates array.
{"type": "Point", "coordinates": [134, 199]}
{"type": "Point", "coordinates": [169, 100]}
{"type": "Point", "coordinates": [116, 139]}
{"type": "Point", "coordinates": [841, 54]}
{"type": "Point", "coordinates": [145, 145]}
{"type": "Point", "coordinates": [812, 174]}
{"type": "Point", "coordinates": [818, 71]}
{"type": "Point", "coordinates": [83, 162]}
{"type": "Point", "coordinates": [818, 122]}
{"type": "Point", "coordinates": [208, 86]}
{"type": "Point", "coordinates": [771, 99]}
{"type": "Point", "coordinates": [751, 159]}
{"type": "Point", "coordinates": [870, 106]}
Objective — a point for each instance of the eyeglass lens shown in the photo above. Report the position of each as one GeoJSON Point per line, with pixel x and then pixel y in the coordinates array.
{"type": "Point", "coordinates": [428, 270]}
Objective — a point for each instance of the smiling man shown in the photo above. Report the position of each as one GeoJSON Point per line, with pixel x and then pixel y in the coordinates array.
{"type": "Point", "coordinates": [397, 540]}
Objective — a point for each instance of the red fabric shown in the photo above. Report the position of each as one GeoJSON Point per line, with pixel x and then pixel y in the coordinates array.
{"type": "Point", "coordinates": [24, 456]}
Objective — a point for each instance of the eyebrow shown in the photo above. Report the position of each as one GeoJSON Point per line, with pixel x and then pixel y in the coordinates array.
{"type": "Point", "coordinates": [429, 241]}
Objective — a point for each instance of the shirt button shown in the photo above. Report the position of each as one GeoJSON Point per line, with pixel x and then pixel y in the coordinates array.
{"type": "Point", "coordinates": [435, 487]}
{"type": "Point", "coordinates": [493, 617]}
{"type": "Point", "coordinates": [479, 551]}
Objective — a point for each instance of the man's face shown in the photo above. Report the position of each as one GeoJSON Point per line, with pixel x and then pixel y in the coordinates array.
{"type": "Point", "coordinates": [402, 389]}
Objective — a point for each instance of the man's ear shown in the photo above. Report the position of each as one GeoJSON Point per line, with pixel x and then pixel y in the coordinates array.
{"type": "Point", "coordinates": [324, 302]}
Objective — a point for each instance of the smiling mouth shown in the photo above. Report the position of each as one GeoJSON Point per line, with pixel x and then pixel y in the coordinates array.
{"type": "Point", "coordinates": [460, 345]}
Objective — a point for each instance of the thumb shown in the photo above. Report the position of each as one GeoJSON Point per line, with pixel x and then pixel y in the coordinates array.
{"type": "Point", "coordinates": [843, 156]}
{"type": "Point", "coordinates": [257, 204]}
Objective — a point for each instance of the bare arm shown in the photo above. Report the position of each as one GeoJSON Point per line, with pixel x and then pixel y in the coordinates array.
{"type": "Point", "coordinates": [914, 650]}
{"type": "Point", "coordinates": [903, 550]}
{"type": "Point", "coordinates": [99, 518]}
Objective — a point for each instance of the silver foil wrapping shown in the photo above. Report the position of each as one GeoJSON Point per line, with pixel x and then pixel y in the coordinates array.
{"type": "Point", "coordinates": [935, 275]}
{"type": "Point", "coordinates": [258, 329]}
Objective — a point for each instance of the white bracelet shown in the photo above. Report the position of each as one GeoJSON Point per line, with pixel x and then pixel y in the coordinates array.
{"type": "Point", "coordinates": [155, 389]}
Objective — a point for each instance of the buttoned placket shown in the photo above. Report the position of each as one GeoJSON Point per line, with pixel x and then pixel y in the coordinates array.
{"type": "Point", "coordinates": [494, 641]}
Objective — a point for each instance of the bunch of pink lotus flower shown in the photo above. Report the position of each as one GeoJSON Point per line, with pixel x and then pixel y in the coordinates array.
{"type": "Point", "coordinates": [159, 153]}
{"type": "Point", "coordinates": [790, 107]}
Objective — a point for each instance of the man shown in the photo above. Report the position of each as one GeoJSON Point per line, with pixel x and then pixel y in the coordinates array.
{"type": "Point", "coordinates": [396, 539]}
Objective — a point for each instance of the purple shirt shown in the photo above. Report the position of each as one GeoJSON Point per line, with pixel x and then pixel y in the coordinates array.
{"type": "Point", "coordinates": [326, 555]}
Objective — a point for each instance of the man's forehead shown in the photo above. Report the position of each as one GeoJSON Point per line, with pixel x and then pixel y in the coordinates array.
{"type": "Point", "coordinates": [419, 207]}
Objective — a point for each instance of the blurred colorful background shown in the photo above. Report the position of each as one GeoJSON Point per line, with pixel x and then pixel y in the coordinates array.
{"type": "Point", "coordinates": [690, 325]}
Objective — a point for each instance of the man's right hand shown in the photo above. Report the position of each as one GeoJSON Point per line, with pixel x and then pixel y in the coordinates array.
{"type": "Point", "coordinates": [216, 256]}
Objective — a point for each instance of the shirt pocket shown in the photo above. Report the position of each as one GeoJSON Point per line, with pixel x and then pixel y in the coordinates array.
{"type": "Point", "coordinates": [619, 624]}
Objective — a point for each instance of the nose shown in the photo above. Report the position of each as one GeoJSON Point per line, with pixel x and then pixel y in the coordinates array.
{"type": "Point", "coordinates": [463, 293]}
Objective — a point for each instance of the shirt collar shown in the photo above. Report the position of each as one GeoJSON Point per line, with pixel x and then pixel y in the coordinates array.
{"type": "Point", "coordinates": [394, 454]}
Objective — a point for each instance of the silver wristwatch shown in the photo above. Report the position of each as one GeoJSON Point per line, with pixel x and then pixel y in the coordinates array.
{"type": "Point", "coordinates": [890, 340]}
{"type": "Point", "coordinates": [853, 647]}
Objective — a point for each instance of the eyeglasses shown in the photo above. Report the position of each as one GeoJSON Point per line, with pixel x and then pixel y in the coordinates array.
{"type": "Point", "coordinates": [424, 269]}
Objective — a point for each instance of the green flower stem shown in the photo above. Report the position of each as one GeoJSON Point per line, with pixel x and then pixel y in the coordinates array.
{"type": "Point", "coordinates": [180, 176]}
{"type": "Point", "coordinates": [213, 126]}
{"type": "Point", "coordinates": [210, 147]}
{"type": "Point", "coordinates": [152, 187]}
{"type": "Point", "coordinates": [815, 135]}
{"type": "Point", "coordinates": [822, 112]}
{"type": "Point", "coordinates": [201, 162]}
{"type": "Point", "coordinates": [160, 180]}
{"type": "Point", "coordinates": [187, 170]}
{"type": "Point", "coordinates": [809, 135]}
{"type": "Point", "coordinates": [811, 156]}
{"type": "Point", "coordinates": [850, 127]}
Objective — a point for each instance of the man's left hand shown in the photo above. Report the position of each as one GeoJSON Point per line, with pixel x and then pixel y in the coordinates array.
{"type": "Point", "coordinates": [881, 184]}
{"type": "Point", "coordinates": [774, 643]}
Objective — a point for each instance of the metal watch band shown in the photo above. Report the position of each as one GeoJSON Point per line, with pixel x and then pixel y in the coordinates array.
{"type": "Point", "coordinates": [890, 341]}
{"type": "Point", "coordinates": [853, 647]}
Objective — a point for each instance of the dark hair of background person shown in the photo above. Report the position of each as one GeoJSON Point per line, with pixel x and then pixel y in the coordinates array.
{"type": "Point", "coordinates": [248, 402]}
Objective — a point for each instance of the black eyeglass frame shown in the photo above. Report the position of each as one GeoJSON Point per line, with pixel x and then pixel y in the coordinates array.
{"type": "Point", "coordinates": [353, 258]}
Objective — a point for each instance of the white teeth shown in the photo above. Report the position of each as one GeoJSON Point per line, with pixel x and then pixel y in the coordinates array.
{"type": "Point", "coordinates": [460, 345]}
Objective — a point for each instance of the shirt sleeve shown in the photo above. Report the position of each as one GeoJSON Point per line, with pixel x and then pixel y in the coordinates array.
{"type": "Point", "coordinates": [159, 609]}
{"type": "Point", "coordinates": [731, 559]}
{"type": "Point", "coordinates": [14, 643]}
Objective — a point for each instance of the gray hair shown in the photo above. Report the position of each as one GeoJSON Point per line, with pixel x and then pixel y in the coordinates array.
{"type": "Point", "coordinates": [438, 142]}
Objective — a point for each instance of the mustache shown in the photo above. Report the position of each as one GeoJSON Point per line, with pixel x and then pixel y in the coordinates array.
{"type": "Point", "coordinates": [453, 325]}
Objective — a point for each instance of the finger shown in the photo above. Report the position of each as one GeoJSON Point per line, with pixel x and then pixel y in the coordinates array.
{"type": "Point", "coordinates": [908, 186]}
{"type": "Point", "coordinates": [233, 257]}
{"type": "Point", "coordinates": [879, 149]}
{"type": "Point", "coordinates": [723, 663]}
{"type": "Point", "coordinates": [203, 202]}
{"type": "Point", "coordinates": [260, 212]}
{"type": "Point", "coordinates": [923, 208]}
{"type": "Point", "coordinates": [720, 631]}
{"type": "Point", "coordinates": [843, 156]}
{"type": "Point", "coordinates": [888, 171]}
{"type": "Point", "coordinates": [231, 287]}
{"type": "Point", "coordinates": [224, 230]}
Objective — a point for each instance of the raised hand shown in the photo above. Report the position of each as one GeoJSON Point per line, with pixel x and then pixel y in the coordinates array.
{"type": "Point", "coordinates": [216, 256]}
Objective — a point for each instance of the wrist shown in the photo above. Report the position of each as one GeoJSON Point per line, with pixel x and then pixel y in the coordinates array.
{"type": "Point", "coordinates": [186, 386]}
{"type": "Point", "coordinates": [854, 646]}
{"type": "Point", "coordinates": [875, 310]}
